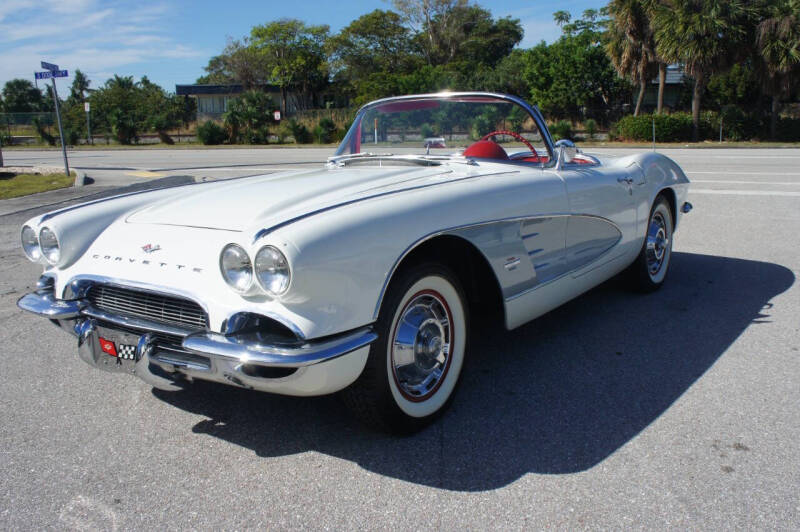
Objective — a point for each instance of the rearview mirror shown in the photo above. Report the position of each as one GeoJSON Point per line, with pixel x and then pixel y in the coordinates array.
{"type": "Point", "coordinates": [565, 151]}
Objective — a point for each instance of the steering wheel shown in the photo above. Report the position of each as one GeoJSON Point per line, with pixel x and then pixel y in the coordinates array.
{"type": "Point", "coordinates": [512, 134]}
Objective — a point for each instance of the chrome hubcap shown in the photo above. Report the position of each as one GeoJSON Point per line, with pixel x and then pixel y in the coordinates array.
{"type": "Point", "coordinates": [422, 345]}
{"type": "Point", "coordinates": [657, 243]}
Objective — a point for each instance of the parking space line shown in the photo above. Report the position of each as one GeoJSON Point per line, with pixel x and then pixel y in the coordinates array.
{"type": "Point", "coordinates": [729, 182]}
{"type": "Point", "coordinates": [743, 192]}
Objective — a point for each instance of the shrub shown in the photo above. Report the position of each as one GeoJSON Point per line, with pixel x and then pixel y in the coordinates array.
{"type": "Point", "coordinates": [299, 132]}
{"type": "Point", "coordinates": [669, 128]}
{"type": "Point", "coordinates": [480, 127]}
{"type": "Point", "coordinates": [71, 136]}
{"type": "Point", "coordinates": [561, 130]}
{"type": "Point", "coordinates": [426, 131]}
{"type": "Point", "coordinates": [211, 133]}
{"type": "Point", "coordinates": [164, 137]}
{"type": "Point", "coordinates": [591, 127]}
{"type": "Point", "coordinates": [788, 129]}
{"type": "Point", "coordinates": [325, 131]}
{"type": "Point", "coordinates": [45, 137]}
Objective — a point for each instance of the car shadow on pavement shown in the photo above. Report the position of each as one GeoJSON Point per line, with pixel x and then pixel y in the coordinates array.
{"type": "Point", "coordinates": [558, 395]}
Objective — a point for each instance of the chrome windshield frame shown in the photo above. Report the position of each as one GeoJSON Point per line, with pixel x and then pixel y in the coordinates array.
{"type": "Point", "coordinates": [532, 110]}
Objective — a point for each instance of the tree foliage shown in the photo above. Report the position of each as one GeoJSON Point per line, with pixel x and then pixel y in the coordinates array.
{"type": "Point", "coordinates": [706, 36]}
{"type": "Point", "coordinates": [21, 96]}
{"type": "Point", "coordinates": [573, 73]}
{"type": "Point", "coordinates": [294, 56]}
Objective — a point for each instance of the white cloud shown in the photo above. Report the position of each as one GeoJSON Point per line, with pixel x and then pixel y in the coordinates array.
{"type": "Point", "coordinates": [97, 36]}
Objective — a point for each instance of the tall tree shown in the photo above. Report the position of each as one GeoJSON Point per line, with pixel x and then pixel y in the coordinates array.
{"type": "Point", "coordinates": [630, 44]}
{"type": "Point", "coordinates": [294, 54]}
{"type": "Point", "coordinates": [80, 85]}
{"type": "Point", "coordinates": [778, 40]}
{"type": "Point", "coordinates": [377, 41]}
{"type": "Point", "coordinates": [573, 74]}
{"type": "Point", "coordinates": [431, 20]}
{"type": "Point", "coordinates": [20, 96]}
{"type": "Point", "coordinates": [474, 36]}
{"type": "Point", "coordinates": [706, 36]}
{"type": "Point", "coordinates": [239, 62]}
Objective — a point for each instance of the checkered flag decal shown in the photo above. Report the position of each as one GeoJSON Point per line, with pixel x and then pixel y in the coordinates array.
{"type": "Point", "coordinates": [127, 352]}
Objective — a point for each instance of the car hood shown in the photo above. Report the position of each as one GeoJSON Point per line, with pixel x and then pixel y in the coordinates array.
{"type": "Point", "coordinates": [238, 204]}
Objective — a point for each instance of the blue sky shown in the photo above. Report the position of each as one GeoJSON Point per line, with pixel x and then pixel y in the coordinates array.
{"type": "Point", "coordinates": [170, 42]}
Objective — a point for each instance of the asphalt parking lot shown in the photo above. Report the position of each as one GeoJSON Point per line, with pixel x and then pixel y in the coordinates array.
{"type": "Point", "coordinates": [675, 410]}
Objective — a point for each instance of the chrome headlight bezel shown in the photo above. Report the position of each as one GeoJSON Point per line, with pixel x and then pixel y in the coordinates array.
{"type": "Point", "coordinates": [246, 268]}
{"type": "Point", "coordinates": [30, 247]}
{"type": "Point", "coordinates": [272, 270]}
{"type": "Point", "coordinates": [49, 245]}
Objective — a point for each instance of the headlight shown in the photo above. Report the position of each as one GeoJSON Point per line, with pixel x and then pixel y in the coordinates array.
{"type": "Point", "coordinates": [236, 268]}
{"type": "Point", "coordinates": [272, 270]}
{"type": "Point", "coordinates": [30, 244]}
{"type": "Point", "coordinates": [49, 245]}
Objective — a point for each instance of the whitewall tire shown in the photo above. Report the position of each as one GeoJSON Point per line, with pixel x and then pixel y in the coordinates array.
{"type": "Point", "coordinates": [414, 366]}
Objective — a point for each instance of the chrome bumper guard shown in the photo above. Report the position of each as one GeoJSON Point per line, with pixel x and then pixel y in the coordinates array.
{"type": "Point", "coordinates": [205, 355]}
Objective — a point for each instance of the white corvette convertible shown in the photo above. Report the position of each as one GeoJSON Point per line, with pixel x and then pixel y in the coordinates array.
{"type": "Point", "coordinates": [360, 275]}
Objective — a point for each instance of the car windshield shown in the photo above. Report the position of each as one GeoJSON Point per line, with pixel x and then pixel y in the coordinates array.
{"type": "Point", "coordinates": [443, 125]}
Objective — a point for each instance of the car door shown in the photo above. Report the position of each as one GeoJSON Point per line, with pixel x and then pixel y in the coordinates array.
{"type": "Point", "coordinates": [602, 220]}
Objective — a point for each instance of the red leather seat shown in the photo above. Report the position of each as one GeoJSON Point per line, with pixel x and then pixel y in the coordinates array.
{"type": "Point", "coordinates": [486, 149]}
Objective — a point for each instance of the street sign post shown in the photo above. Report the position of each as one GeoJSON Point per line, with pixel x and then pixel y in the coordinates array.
{"type": "Point", "coordinates": [52, 73]}
{"type": "Point", "coordinates": [87, 108]}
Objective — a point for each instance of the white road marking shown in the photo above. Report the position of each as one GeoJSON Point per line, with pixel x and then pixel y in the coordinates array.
{"type": "Point", "coordinates": [726, 172]}
{"type": "Point", "coordinates": [743, 192]}
{"type": "Point", "coordinates": [794, 184]}
{"type": "Point", "coordinates": [249, 168]}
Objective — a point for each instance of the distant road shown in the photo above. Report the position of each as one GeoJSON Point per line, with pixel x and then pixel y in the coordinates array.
{"type": "Point", "coordinates": [126, 166]}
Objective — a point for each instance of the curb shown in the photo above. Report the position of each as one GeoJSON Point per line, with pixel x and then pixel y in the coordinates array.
{"type": "Point", "coordinates": [80, 178]}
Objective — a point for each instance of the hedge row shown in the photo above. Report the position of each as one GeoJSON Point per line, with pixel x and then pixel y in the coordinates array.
{"type": "Point", "coordinates": [324, 132]}
{"type": "Point", "coordinates": [677, 127]}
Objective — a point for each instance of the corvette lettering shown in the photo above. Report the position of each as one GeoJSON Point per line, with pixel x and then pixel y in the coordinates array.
{"type": "Point", "coordinates": [145, 262]}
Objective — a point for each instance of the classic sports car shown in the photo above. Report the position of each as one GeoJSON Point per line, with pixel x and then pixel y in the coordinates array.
{"type": "Point", "coordinates": [360, 275]}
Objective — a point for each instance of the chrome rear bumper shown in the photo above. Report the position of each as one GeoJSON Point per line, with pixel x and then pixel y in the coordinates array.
{"type": "Point", "coordinates": [234, 358]}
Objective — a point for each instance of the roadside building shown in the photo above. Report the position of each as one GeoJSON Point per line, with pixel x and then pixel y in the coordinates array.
{"type": "Point", "coordinates": [673, 87]}
{"type": "Point", "coordinates": [213, 100]}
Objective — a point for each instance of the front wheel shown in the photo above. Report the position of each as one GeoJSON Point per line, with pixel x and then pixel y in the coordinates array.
{"type": "Point", "coordinates": [414, 365]}
{"type": "Point", "coordinates": [648, 272]}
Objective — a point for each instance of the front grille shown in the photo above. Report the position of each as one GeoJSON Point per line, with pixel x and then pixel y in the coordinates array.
{"type": "Point", "coordinates": [148, 305]}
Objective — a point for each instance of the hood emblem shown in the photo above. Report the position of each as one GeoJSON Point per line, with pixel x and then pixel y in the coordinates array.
{"type": "Point", "coordinates": [150, 248]}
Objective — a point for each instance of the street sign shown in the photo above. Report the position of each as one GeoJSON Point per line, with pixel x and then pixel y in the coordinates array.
{"type": "Point", "coordinates": [86, 107]}
{"type": "Point", "coordinates": [277, 116]}
{"type": "Point", "coordinates": [51, 74]}
{"type": "Point", "coordinates": [49, 66]}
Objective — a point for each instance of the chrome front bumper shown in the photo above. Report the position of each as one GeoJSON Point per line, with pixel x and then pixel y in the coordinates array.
{"type": "Point", "coordinates": [240, 359]}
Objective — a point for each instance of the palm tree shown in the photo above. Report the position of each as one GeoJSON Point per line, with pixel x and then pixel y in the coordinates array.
{"type": "Point", "coordinates": [80, 86]}
{"type": "Point", "coordinates": [630, 45]}
{"type": "Point", "coordinates": [706, 36]}
{"type": "Point", "coordinates": [778, 40]}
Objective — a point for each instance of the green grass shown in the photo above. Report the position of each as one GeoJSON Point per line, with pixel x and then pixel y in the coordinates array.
{"type": "Point", "coordinates": [14, 186]}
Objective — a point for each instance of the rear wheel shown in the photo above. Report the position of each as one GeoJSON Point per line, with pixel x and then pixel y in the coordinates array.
{"type": "Point", "coordinates": [648, 272]}
{"type": "Point", "coordinates": [414, 365]}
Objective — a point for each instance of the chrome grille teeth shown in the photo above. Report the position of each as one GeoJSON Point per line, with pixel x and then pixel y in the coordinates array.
{"type": "Point", "coordinates": [157, 307]}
